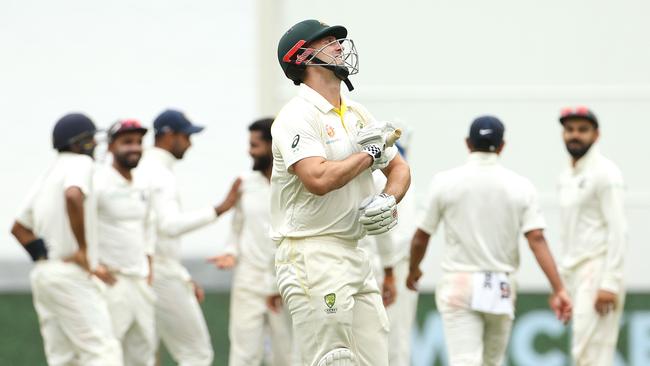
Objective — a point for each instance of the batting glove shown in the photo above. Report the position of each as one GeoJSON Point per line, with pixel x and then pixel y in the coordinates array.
{"type": "Point", "coordinates": [378, 213]}
{"type": "Point", "coordinates": [372, 139]}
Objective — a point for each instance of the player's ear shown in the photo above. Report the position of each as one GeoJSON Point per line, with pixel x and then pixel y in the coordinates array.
{"type": "Point", "coordinates": [470, 147]}
{"type": "Point", "coordinates": [500, 148]}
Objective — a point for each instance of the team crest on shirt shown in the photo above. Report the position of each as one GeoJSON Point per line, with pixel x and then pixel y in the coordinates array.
{"type": "Point", "coordinates": [330, 130]}
{"type": "Point", "coordinates": [330, 301]}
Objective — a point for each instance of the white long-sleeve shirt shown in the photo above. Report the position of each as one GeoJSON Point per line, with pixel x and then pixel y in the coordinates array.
{"type": "Point", "coordinates": [249, 239]}
{"type": "Point", "coordinates": [485, 208]}
{"type": "Point", "coordinates": [170, 221]}
{"type": "Point", "coordinates": [123, 221]}
{"type": "Point", "coordinates": [591, 195]}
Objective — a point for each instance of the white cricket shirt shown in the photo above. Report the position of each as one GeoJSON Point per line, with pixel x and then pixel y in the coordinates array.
{"type": "Point", "coordinates": [123, 208]}
{"type": "Point", "coordinates": [249, 239]}
{"type": "Point", "coordinates": [308, 125]}
{"type": "Point", "coordinates": [485, 209]}
{"type": "Point", "coordinates": [170, 221]}
{"type": "Point", "coordinates": [592, 215]}
{"type": "Point", "coordinates": [45, 213]}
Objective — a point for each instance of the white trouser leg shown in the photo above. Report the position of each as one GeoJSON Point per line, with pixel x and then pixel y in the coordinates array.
{"type": "Point", "coordinates": [473, 338]}
{"type": "Point", "coordinates": [131, 305]}
{"type": "Point", "coordinates": [74, 318]}
{"type": "Point", "coordinates": [246, 327]}
{"type": "Point", "coordinates": [401, 315]}
{"type": "Point", "coordinates": [180, 321]}
{"type": "Point", "coordinates": [594, 337]}
{"type": "Point", "coordinates": [331, 293]}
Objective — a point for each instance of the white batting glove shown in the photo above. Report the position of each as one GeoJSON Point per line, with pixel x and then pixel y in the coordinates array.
{"type": "Point", "coordinates": [372, 139]}
{"type": "Point", "coordinates": [378, 213]}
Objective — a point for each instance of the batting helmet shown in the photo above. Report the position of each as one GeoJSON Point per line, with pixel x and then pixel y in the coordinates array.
{"type": "Point", "coordinates": [72, 128]}
{"type": "Point", "coordinates": [293, 53]}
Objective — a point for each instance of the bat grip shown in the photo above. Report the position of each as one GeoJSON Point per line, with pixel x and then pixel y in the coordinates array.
{"type": "Point", "coordinates": [393, 137]}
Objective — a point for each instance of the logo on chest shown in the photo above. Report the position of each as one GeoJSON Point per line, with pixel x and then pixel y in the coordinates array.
{"type": "Point", "coordinates": [330, 130]}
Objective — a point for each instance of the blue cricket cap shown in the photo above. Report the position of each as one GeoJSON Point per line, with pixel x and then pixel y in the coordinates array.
{"type": "Point", "coordinates": [486, 133]}
{"type": "Point", "coordinates": [174, 121]}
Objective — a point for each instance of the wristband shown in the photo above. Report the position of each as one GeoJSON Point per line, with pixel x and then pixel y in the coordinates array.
{"type": "Point", "coordinates": [36, 249]}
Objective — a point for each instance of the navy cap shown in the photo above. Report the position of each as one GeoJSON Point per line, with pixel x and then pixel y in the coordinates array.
{"type": "Point", "coordinates": [123, 126]}
{"type": "Point", "coordinates": [72, 128]}
{"type": "Point", "coordinates": [174, 121]}
{"type": "Point", "coordinates": [486, 133]}
{"type": "Point", "coordinates": [578, 112]}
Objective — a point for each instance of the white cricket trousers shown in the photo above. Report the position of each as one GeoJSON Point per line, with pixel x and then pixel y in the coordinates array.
{"type": "Point", "coordinates": [401, 315]}
{"type": "Point", "coordinates": [330, 290]}
{"type": "Point", "coordinates": [74, 319]}
{"type": "Point", "coordinates": [594, 337]}
{"type": "Point", "coordinates": [250, 318]}
{"type": "Point", "coordinates": [179, 319]}
{"type": "Point", "coordinates": [131, 306]}
{"type": "Point", "coordinates": [473, 338]}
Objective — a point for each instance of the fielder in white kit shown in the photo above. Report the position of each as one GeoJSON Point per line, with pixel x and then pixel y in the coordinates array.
{"type": "Point", "coordinates": [57, 227]}
{"type": "Point", "coordinates": [126, 243]}
{"type": "Point", "coordinates": [255, 305]}
{"type": "Point", "coordinates": [593, 235]}
{"type": "Point", "coordinates": [179, 319]}
{"type": "Point", "coordinates": [485, 208]}
{"type": "Point", "coordinates": [323, 148]}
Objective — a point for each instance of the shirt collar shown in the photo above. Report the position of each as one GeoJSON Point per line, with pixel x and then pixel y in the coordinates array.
{"type": "Point", "coordinates": [163, 156]}
{"type": "Point", "coordinates": [483, 158]}
{"type": "Point", "coordinates": [313, 97]}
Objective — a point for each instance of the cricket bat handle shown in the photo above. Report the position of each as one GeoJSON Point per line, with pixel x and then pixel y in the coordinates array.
{"type": "Point", "coordinates": [393, 137]}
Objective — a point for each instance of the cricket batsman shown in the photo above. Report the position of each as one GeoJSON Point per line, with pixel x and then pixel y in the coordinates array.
{"type": "Point", "coordinates": [323, 201]}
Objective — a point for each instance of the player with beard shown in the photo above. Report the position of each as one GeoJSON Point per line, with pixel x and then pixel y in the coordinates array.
{"type": "Point", "coordinates": [594, 230]}
{"type": "Point", "coordinates": [179, 319]}
{"type": "Point", "coordinates": [250, 252]}
{"type": "Point", "coordinates": [125, 243]}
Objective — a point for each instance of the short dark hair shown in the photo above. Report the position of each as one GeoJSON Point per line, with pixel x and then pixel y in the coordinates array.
{"type": "Point", "coordinates": [264, 126]}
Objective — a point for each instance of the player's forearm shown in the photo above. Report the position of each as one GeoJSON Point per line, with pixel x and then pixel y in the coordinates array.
{"type": "Point", "coordinates": [74, 200]}
{"type": "Point", "coordinates": [22, 234]}
{"type": "Point", "coordinates": [174, 223]}
{"type": "Point", "coordinates": [544, 258]}
{"type": "Point", "coordinates": [332, 175]}
{"type": "Point", "coordinates": [419, 245]}
{"type": "Point", "coordinates": [398, 178]}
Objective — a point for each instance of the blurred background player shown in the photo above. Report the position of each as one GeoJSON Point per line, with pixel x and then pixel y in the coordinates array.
{"type": "Point", "coordinates": [57, 228]}
{"type": "Point", "coordinates": [251, 253]}
{"type": "Point", "coordinates": [126, 243]}
{"type": "Point", "coordinates": [179, 320]}
{"type": "Point", "coordinates": [391, 252]}
{"type": "Point", "coordinates": [323, 147]}
{"type": "Point", "coordinates": [593, 234]}
{"type": "Point", "coordinates": [485, 208]}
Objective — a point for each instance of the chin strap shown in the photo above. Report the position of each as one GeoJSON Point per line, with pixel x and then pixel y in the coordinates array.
{"type": "Point", "coordinates": [340, 72]}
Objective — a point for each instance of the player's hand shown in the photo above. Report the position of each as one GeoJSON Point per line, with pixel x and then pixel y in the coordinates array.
{"type": "Point", "coordinates": [274, 303]}
{"type": "Point", "coordinates": [388, 290]}
{"type": "Point", "coordinates": [231, 198]}
{"type": "Point", "coordinates": [605, 302]}
{"type": "Point", "coordinates": [198, 291]}
{"type": "Point", "coordinates": [413, 278]}
{"type": "Point", "coordinates": [79, 258]}
{"type": "Point", "coordinates": [560, 303]}
{"type": "Point", "coordinates": [150, 278]}
{"type": "Point", "coordinates": [378, 213]}
{"type": "Point", "coordinates": [372, 139]}
{"type": "Point", "coordinates": [103, 273]}
{"type": "Point", "coordinates": [224, 261]}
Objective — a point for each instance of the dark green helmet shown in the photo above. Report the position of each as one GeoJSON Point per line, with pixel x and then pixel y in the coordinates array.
{"type": "Point", "coordinates": [292, 46]}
